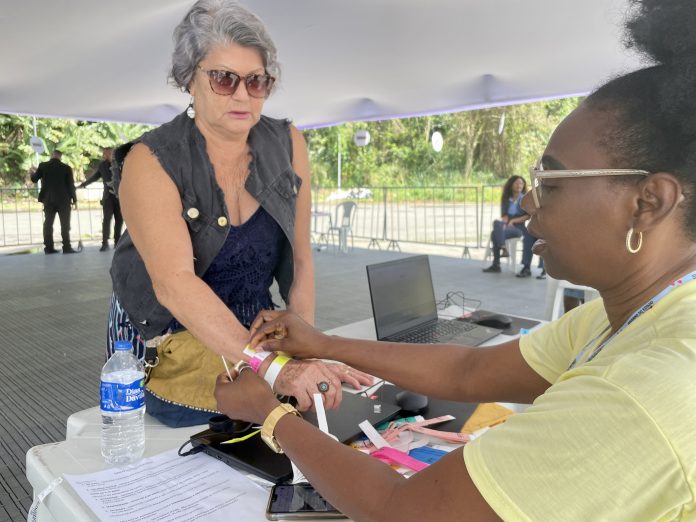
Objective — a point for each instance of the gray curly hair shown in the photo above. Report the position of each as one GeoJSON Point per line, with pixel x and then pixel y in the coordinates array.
{"type": "Point", "coordinates": [217, 22]}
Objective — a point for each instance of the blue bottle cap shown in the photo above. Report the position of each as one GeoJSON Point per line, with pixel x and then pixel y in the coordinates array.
{"type": "Point", "coordinates": [123, 345]}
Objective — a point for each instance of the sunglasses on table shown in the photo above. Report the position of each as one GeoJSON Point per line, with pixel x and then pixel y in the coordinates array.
{"type": "Point", "coordinates": [225, 83]}
{"type": "Point", "coordinates": [538, 175]}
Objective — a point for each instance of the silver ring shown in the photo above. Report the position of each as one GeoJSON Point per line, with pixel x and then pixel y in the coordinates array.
{"type": "Point", "coordinates": [323, 386]}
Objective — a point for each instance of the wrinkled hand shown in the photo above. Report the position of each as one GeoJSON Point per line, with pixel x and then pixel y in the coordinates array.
{"type": "Point", "coordinates": [289, 333]}
{"type": "Point", "coordinates": [301, 380]}
{"type": "Point", "coordinates": [348, 375]}
{"type": "Point", "coordinates": [247, 398]}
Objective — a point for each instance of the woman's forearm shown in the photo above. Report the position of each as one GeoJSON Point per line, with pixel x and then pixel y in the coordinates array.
{"type": "Point", "coordinates": [197, 307]}
{"type": "Point", "coordinates": [355, 483]}
{"type": "Point", "coordinates": [301, 296]}
{"type": "Point", "coordinates": [405, 364]}
{"type": "Point", "coordinates": [366, 489]}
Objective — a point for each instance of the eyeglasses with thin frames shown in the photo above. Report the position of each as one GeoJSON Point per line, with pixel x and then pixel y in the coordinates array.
{"type": "Point", "coordinates": [225, 83]}
{"type": "Point", "coordinates": [538, 174]}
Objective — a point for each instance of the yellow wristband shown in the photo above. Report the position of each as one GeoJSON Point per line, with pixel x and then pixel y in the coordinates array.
{"type": "Point", "coordinates": [274, 369]}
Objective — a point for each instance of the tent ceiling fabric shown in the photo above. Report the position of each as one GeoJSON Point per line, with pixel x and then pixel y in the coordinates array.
{"type": "Point", "coordinates": [341, 60]}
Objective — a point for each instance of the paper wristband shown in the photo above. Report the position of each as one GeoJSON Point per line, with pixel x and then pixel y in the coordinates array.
{"type": "Point", "coordinates": [274, 369]}
{"type": "Point", "coordinates": [248, 350]}
{"type": "Point", "coordinates": [400, 458]}
{"type": "Point", "coordinates": [257, 359]}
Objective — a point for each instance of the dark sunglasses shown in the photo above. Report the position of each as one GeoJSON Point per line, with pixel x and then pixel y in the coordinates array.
{"type": "Point", "coordinates": [225, 83]}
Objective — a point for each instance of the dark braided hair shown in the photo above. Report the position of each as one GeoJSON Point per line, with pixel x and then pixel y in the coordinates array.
{"type": "Point", "coordinates": [654, 109]}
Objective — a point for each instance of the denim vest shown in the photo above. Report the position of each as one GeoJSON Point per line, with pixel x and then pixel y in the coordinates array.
{"type": "Point", "coordinates": [181, 150]}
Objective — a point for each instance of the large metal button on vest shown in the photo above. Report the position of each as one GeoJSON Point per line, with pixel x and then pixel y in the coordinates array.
{"type": "Point", "coordinates": [193, 213]}
{"type": "Point", "coordinates": [222, 221]}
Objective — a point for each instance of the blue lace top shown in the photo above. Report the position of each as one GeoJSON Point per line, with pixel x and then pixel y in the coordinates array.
{"type": "Point", "coordinates": [242, 273]}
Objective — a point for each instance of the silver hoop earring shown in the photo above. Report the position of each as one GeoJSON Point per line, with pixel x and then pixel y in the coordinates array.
{"type": "Point", "coordinates": [190, 111]}
{"type": "Point", "coordinates": [629, 238]}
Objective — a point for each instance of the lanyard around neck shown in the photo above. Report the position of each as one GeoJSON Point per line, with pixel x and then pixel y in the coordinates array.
{"type": "Point", "coordinates": [647, 306]}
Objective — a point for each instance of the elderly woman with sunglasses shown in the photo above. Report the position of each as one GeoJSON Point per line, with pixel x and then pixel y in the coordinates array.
{"type": "Point", "coordinates": [217, 203]}
{"type": "Point", "coordinates": [610, 433]}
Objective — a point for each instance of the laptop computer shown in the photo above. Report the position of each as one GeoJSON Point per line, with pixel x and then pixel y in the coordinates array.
{"type": "Point", "coordinates": [254, 456]}
{"type": "Point", "coordinates": [404, 310]}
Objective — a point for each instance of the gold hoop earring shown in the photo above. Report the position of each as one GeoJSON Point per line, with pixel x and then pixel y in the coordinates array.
{"type": "Point", "coordinates": [629, 237]}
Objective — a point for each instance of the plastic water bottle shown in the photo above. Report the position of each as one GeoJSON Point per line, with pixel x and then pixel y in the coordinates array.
{"type": "Point", "coordinates": [123, 406]}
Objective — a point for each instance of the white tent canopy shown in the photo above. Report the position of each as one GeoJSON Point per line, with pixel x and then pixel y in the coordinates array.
{"type": "Point", "coordinates": [342, 60]}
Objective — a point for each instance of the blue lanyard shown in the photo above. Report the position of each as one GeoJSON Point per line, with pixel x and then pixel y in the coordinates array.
{"type": "Point", "coordinates": [647, 306]}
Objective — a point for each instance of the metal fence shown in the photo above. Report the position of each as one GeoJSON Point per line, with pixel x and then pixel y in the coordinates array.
{"type": "Point", "coordinates": [454, 216]}
{"type": "Point", "coordinates": [21, 217]}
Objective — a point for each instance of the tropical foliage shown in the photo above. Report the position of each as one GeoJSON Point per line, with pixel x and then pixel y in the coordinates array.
{"type": "Point", "coordinates": [478, 147]}
{"type": "Point", "coordinates": [483, 146]}
{"type": "Point", "coordinates": [79, 141]}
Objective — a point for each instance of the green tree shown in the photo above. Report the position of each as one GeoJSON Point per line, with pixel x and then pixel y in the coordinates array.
{"type": "Point", "coordinates": [477, 148]}
{"type": "Point", "coordinates": [80, 141]}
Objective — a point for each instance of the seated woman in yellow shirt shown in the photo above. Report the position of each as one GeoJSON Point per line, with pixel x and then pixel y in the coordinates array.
{"type": "Point", "coordinates": [610, 434]}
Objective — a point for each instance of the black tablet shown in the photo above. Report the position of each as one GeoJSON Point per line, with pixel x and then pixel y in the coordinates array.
{"type": "Point", "coordinates": [251, 455]}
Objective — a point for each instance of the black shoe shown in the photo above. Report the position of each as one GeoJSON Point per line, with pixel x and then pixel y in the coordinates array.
{"type": "Point", "coordinates": [50, 251]}
{"type": "Point", "coordinates": [525, 272]}
{"type": "Point", "coordinates": [70, 251]}
{"type": "Point", "coordinates": [542, 275]}
{"type": "Point", "coordinates": [504, 252]}
{"type": "Point", "coordinates": [493, 269]}
{"type": "Point", "coordinates": [104, 247]}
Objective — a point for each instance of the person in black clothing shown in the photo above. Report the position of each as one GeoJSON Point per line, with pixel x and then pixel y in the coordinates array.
{"type": "Point", "coordinates": [109, 201]}
{"type": "Point", "coordinates": [57, 193]}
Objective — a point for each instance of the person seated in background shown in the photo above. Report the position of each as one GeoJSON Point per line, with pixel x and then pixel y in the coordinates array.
{"type": "Point", "coordinates": [527, 244]}
{"type": "Point", "coordinates": [511, 223]}
{"type": "Point", "coordinates": [608, 434]}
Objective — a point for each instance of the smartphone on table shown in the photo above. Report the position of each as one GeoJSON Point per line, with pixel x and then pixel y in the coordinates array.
{"type": "Point", "coordinates": [298, 502]}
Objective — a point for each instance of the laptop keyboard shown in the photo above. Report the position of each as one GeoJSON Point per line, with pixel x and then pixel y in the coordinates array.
{"type": "Point", "coordinates": [434, 333]}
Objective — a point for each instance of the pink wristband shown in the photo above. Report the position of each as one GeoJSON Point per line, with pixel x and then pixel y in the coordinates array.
{"type": "Point", "coordinates": [258, 358]}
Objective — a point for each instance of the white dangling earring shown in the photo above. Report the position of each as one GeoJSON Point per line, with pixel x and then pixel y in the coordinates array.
{"type": "Point", "coordinates": [629, 238]}
{"type": "Point", "coordinates": [190, 111]}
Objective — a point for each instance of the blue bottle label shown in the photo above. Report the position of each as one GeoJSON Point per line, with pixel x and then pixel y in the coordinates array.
{"type": "Point", "coordinates": [118, 398]}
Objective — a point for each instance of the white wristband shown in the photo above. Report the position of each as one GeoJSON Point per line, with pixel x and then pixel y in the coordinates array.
{"type": "Point", "coordinates": [274, 369]}
{"type": "Point", "coordinates": [256, 358]}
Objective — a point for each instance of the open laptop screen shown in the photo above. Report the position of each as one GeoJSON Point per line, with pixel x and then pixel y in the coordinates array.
{"type": "Point", "coordinates": [402, 294]}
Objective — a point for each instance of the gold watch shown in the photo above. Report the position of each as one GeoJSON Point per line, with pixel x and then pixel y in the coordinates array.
{"type": "Point", "coordinates": [270, 423]}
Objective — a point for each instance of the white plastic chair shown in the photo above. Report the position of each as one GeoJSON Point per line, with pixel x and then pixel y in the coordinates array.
{"type": "Point", "coordinates": [511, 245]}
{"type": "Point", "coordinates": [554, 296]}
{"type": "Point", "coordinates": [343, 225]}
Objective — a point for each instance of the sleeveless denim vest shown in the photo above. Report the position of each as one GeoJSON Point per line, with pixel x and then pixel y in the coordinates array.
{"type": "Point", "coordinates": [181, 150]}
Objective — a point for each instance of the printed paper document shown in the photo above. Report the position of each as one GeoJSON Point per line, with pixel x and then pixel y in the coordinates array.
{"type": "Point", "coordinates": [167, 487]}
